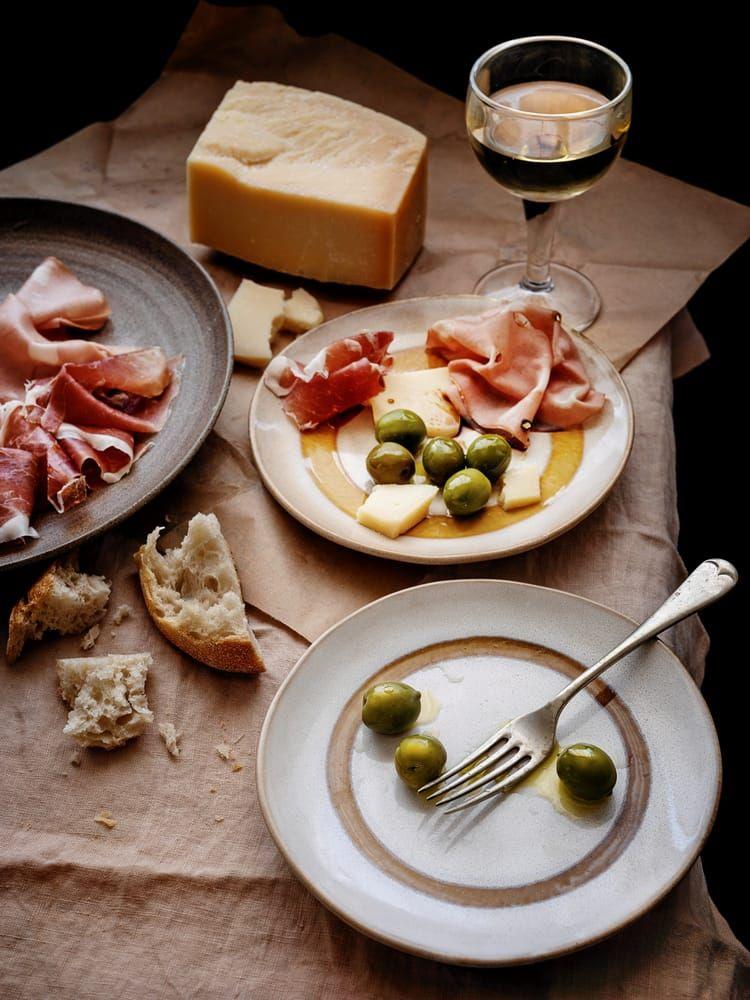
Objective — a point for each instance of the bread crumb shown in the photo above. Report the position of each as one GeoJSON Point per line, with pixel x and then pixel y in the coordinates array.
{"type": "Point", "coordinates": [171, 738]}
{"type": "Point", "coordinates": [113, 633]}
{"type": "Point", "coordinates": [75, 760]}
{"type": "Point", "coordinates": [219, 819]}
{"type": "Point", "coordinates": [213, 791]}
{"type": "Point", "coordinates": [237, 767]}
{"type": "Point", "coordinates": [224, 750]}
{"type": "Point", "coordinates": [106, 818]}
{"type": "Point", "coordinates": [89, 637]}
{"type": "Point", "coordinates": [121, 613]}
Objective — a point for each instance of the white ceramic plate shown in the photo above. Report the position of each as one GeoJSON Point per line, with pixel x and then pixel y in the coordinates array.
{"type": "Point", "coordinates": [520, 878]}
{"type": "Point", "coordinates": [277, 448]}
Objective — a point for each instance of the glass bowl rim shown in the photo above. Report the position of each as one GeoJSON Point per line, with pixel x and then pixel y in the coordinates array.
{"type": "Point", "coordinates": [517, 112]}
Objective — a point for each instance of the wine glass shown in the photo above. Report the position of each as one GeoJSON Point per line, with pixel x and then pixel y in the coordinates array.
{"type": "Point", "coordinates": [547, 117]}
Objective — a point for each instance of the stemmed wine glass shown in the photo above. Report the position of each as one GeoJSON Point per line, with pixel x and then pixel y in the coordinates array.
{"type": "Point", "coordinates": [547, 117]}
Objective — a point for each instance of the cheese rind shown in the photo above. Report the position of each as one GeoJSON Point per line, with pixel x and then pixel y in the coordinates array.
{"type": "Point", "coordinates": [301, 312]}
{"type": "Point", "coordinates": [521, 487]}
{"type": "Point", "coordinates": [422, 392]}
{"type": "Point", "coordinates": [309, 184]}
{"type": "Point", "coordinates": [256, 312]}
{"type": "Point", "coordinates": [393, 509]}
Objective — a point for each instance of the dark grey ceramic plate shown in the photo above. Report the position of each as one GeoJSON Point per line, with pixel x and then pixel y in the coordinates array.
{"type": "Point", "coordinates": [159, 296]}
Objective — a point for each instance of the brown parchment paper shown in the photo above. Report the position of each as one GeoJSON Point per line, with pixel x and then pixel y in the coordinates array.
{"type": "Point", "coordinates": [187, 895]}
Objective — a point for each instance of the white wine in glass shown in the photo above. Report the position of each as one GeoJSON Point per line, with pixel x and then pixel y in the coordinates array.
{"type": "Point", "coordinates": [547, 117]}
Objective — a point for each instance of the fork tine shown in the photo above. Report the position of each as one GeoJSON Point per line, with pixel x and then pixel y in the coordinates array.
{"type": "Point", "coordinates": [486, 762]}
{"type": "Point", "coordinates": [492, 775]}
{"type": "Point", "coordinates": [482, 749]}
{"type": "Point", "coordinates": [512, 779]}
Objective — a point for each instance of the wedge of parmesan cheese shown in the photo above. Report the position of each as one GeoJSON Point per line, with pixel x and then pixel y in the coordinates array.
{"type": "Point", "coordinates": [422, 392]}
{"type": "Point", "coordinates": [393, 509]}
{"type": "Point", "coordinates": [309, 184]}
{"type": "Point", "coordinates": [301, 312]}
{"type": "Point", "coordinates": [256, 312]}
{"type": "Point", "coordinates": [521, 487]}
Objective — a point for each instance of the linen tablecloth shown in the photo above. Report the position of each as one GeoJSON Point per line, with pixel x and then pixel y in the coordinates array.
{"type": "Point", "coordinates": [187, 896]}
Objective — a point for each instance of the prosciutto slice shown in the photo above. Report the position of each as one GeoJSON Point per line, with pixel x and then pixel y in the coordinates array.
{"type": "Point", "coordinates": [145, 372]}
{"type": "Point", "coordinates": [55, 298]}
{"type": "Point", "coordinates": [512, 370]}
{"type": "Point", "coordinates": [19, 475]}
{"type": "Point", "coordinates": [67, 401]}
{"type": "Point", "coordinates": [345, 374]}
{"type": "Point", "coordinates": [61, 482]}
{"type": "Point", "coordinates": [102, 456]}
{"type": "Point", "coordinates": [26, 354]}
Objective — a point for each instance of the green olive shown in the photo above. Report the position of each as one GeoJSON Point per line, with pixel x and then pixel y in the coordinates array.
{"type": "Point", "coordinates": [404, 427]}
{"type": "Point", "coordinates": [586, 771]}
{"type": "Point", "coordinates": [489, 453]}
{"type": "Point", "coordinates": [390, 463]}
{"type": "Point", "coordinates": [466, 492]}
{"type": "Point", "coordinates": [441, 458]}
{"type": "Point", "coordinates": [419, 759]}
{"type": "Point", "coordinates": [390, 708]}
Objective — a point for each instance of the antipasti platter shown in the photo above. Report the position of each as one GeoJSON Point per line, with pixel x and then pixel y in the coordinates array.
{"type": "Point", "coordinates": [321, 475]}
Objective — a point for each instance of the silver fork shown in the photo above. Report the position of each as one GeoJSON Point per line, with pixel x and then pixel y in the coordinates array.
{"type": "Point", "coordinates": [525, 742]}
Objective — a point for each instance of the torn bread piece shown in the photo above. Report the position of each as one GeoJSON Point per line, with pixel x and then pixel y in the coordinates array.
{"type": "Point", "coordinates": [301, 312]}
{"type": "Point", "coordinates": [107, 698]}
{"type": "Point", "coordinates": [62, 600]}
{"type": "Point", "coordinates": [88, 640]}
{"type": "Point", "coordinates": [193, 595]}
{"type": "Point", "coordinates": [171, 738]}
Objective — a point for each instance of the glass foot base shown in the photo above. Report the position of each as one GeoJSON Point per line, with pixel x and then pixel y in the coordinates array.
{"type": "Point", "coordinates": [571, 294]}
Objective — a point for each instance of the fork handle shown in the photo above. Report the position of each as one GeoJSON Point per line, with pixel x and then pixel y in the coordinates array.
{"type": "Point", "coordinates": [706, 584]}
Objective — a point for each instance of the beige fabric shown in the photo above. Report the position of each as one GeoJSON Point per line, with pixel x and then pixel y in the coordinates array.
{"type": "Point", "coordinates": [187, 896]}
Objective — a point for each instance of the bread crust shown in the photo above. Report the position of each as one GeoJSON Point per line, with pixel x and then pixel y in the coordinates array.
{"type": "Point", "coordinates": [238, 654]}
{"type": "Point", "coordinates": [19, 626]}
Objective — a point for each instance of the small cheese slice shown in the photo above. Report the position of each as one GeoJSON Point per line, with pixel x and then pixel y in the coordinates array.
{"type": "Point", "coordinates": [309, 184]}
{"type": "Point", "coordinates": [393, 509]}
{"type": "Point", "coordinates": [521, 487]}
{"type": "Point", "coordinates": [423, 393]}
{"type": "Point", "coordinates": [301, 312]}
{"type": "Point", "coordinates": [256, 313]}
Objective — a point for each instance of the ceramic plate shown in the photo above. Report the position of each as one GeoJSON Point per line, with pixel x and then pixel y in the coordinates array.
{"type": "Point", "coordinates": [521, 878]}
{"type": "Point", "coordinates": [158, 296]}
{"type": "Point", "coordinates": [321, 477]}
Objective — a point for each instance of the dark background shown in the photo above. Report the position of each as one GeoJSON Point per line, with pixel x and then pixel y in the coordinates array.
{"type": "Point", "coordinates": [62, 70]}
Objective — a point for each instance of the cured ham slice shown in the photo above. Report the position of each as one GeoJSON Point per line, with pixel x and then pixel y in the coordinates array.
{"type": "Point", "coordinates": [144, 372]}
{"type": "Point", "coordinates": [102, 456]}
{"type": "Point", "coordinates": [55, 298]}
{"type": "Point", "coordinates": [26, 354]}
{"type": "Point", "coordinates": [63, 485]}
{"type": "Point", "coordinates": [67, 401]}
{"type": "Point", "coordinates": [511, 370]}
{"type": "Point", "coordinates": [19, 476]}
{"type": "Point", "coordinates": [345, 374]}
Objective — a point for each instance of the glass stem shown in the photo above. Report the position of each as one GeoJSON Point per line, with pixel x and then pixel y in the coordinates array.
{"type": "Point", "coordinates": [541, 217]}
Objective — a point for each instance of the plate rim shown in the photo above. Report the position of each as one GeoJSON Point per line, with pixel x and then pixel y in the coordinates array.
{"type": "Point", "coordinates": [399, 943]}
{"type": "Point", "coordinates": [437, 560]}
{"type": "Point", "coordinates": [22, 559]}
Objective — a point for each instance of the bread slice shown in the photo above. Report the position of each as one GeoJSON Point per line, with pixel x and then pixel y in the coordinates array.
{"type": "Point", "coordinates": [193, 595]}
{"type": "Point", "coordinates": [107, 698]}
{"type": "Point", "coordinates": [62, 600]}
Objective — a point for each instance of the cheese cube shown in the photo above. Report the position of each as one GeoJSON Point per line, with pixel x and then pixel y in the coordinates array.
{"type": "Point", "coordinates": [423, 393]}
{"type": "Point", "coordinates": [301, 312]}
{"type": "Point", "coordinates": [393, 509]}
{"type": "Point", "coordinates": [521, 487]}
{"type": "Point", "coordinates": [310, 184]}
{"type": "Point", "coordinates": [256, 313]}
